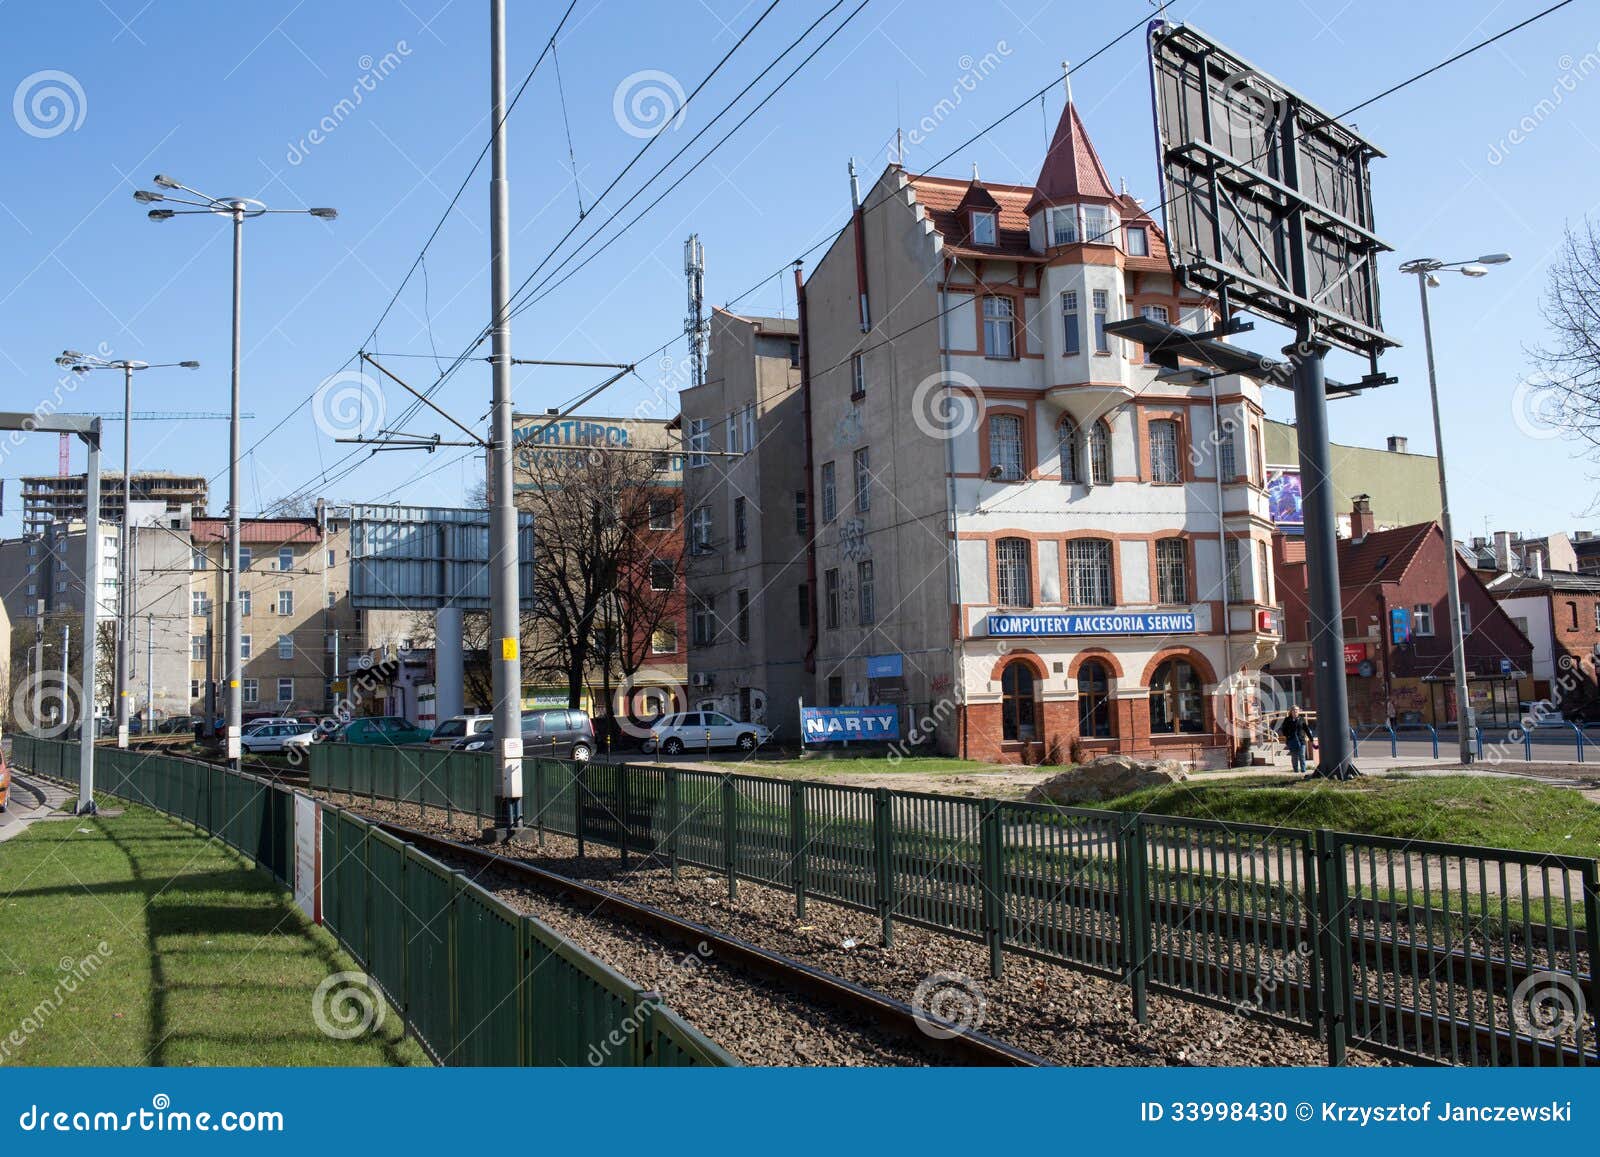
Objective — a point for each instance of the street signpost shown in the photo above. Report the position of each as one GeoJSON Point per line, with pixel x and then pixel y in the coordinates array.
{"type": "Point", "coordinates": [1268, 209]}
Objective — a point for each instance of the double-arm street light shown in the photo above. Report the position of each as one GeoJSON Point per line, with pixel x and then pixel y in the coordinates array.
{"type": "Point", "coordinates": [239, 210]}
{"type": "Point", "coordinates": [80, 363]}
{"type": "Point", "coordinates": [1427, 270]}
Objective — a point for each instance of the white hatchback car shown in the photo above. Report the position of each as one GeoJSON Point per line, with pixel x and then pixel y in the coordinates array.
{"type": "Point", "coordinates": [459, 727]}
{"type": "Point", "coordinates": [273, 734]}
{"type": "Point", "coordinates": [696, 730]}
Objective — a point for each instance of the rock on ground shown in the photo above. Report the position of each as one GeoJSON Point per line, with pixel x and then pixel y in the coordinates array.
{"type": "Point", "coordinates": [1106, 777]}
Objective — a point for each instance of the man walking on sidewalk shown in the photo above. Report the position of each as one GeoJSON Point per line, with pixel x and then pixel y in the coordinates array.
{"type": "Point", "coordinates": [1297, 735]}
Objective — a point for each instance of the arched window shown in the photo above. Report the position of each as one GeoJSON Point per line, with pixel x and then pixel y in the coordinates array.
{"type": "Point", "coordinates": [1018, 708]}
{"type": "Point", "coordinates": [1013, 574]}
{"type": "Point", "coordinates": [1099, 454]}
{"type": "Point", "coordinates": [1067, 444]}
{"type": "Point", "coordinates": [1175, 702]}
{"type": "Point", "coordinates": [1005, 446]}
{"type": "Point", "coordinates": [1094, 701]}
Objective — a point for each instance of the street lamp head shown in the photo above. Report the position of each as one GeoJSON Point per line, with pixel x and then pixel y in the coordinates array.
{"type": "Point", "coordinates": [145, 196]}
{"type": "Point", "coordinates": [72, 355]}
{"type": "Point", "coordinates": [160, 214]}
{"type": "Point", "coordinates": [1494, 259]}
{"type": "Point", "coordinates": [166, 182]}
{"type": "Point", "coordinates": [325, 213]}
{"type": "Point", "coordinates": [1474, 270]}
{"type": "Point", "coordinates": [1421, 265]}
{"type": "Point", "coordinates": [1433, 281]}
{"type": "Point", "coordinates": [188, 365]}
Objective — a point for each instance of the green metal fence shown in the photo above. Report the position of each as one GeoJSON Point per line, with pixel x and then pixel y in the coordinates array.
{"type": "Point", "coordinates": [1422, 951]}
{"type": "Point", "coordinates": [477, 982]}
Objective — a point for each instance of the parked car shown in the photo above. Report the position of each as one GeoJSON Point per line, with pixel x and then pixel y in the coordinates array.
{"type": "Point", "coordinates": [459, 727]}
{"type": "Point", "coordinates": [372, 729]}
{"type": "Point", "coordinates": [271, 735]}
{"type": "Point", "coordinates": [555, 732]}
{"type": "Point", "coordinates": [303, 738]}
{"type": "Point", "coordinates": [689, 731]}
{"type": "Point", "coordinates": [174, 724]}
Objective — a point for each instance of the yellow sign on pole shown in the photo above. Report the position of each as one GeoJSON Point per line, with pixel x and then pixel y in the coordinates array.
{"type": "Point", "coordinates": [508, 648]}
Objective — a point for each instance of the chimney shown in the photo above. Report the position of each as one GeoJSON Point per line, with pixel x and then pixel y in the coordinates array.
{"type": "Point", "coordinates": [1479, 542]}
{"type": "Point", "coordinates": [1362, 522]}
{"type": "Point", "coordinates": [1502, 551]}
{"type": "Point", "coordinates": [1536, 559]}
{"type": "Point", "coordinates": [1397, 444]}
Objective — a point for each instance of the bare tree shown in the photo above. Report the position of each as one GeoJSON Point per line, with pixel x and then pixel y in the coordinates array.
{"type": "Point", "coordinates": [1569, 396]}
{"type": "Point", "coordinates": [601, 585]}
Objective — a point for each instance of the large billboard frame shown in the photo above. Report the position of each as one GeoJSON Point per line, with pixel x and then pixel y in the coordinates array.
{"type": "Point", "coordinates": [1266, 199]}
{"type": "Point", "coordinates": [422, 558]}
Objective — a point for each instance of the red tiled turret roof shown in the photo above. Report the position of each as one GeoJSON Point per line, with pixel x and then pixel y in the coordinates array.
{"type": "Point", "coordinates": [1072, 170]}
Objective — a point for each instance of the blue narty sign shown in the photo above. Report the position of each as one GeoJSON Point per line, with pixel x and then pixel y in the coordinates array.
{"type": "Point", "coordinates": [1094, 623]}
{"type": "Point", "coordinates": [836, 724]}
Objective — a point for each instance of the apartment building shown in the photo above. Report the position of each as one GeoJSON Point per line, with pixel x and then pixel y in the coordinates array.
{"type": "Point", "coordinates": [1025, 537]}
{"type": "Point", "coordinates": [748, 529]}
{"type": "Point", "coordinates": [296, 614]}
{"type": "Point", "coordinates": [1559, 611]}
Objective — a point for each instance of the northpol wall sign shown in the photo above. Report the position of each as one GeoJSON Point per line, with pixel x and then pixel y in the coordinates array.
{"type": "Point", "coordinates": [1125, 623]}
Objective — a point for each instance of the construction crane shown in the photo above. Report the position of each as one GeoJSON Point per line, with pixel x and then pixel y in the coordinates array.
{"type": "Point", "coordinates": [64, 455]}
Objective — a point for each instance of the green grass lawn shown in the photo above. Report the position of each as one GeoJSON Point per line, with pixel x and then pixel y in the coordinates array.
{"type": "Point", "coordinates": [1506, 813]}
{"type": "Point", "coordinates": [139, 942]}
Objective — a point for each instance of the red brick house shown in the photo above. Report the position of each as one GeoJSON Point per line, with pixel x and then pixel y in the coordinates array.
{"type": "Point", "coordinates": [1397, 639]}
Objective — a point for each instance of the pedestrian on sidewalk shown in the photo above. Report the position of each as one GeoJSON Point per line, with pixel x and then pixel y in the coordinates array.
{"type": "Point", "coordinates": [1297, 735]}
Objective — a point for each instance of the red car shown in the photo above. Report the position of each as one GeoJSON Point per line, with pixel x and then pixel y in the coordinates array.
{"type": "Point", "coordinates": [5, 784]}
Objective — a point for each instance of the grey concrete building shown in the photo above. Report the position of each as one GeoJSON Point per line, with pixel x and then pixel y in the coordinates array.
{"type": "Point", "coordinates": [746, 559]}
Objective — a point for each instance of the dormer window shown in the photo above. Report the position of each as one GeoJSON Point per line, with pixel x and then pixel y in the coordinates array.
{"type": "Point", "coordinates": [983, 228]}
{"type": "Point", "coordinates": [1138, 241]}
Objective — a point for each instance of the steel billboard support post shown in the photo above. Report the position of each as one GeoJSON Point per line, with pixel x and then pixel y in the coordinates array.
{"type": "Point", "coordinates": [1324, 602]}
{"type": "Point", "coordinates": [503, 578]}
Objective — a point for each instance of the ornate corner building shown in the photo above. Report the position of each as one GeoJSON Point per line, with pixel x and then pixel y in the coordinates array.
{"type": "Point", "coordinates": [1019, 534]}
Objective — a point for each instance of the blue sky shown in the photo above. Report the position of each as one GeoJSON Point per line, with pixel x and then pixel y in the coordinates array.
{"type": "Point", "coordinates": [226, 100]}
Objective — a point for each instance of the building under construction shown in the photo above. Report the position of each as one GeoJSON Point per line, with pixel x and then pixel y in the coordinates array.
{"type": "Point", "coordinates": [49, 498]}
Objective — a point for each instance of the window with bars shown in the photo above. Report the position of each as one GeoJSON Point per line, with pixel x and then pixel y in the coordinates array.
{"type": "Point", "coordinates": [1067, 448]}
{"type": "Point", "coordinates": [866, 594]}
{"type": "Point", "coordinates": [830, 598]}
{"type": "Point", "coordinates": [1064, 225]}
{"type": "Point", "coordinates": [858, 376]}
{"type": "Point", "coordinates": [830, 493]}
{"type": "Point", "coordinates": [1099, 454]}
{"type": "Point", "coordinates": [1089, 572]}
{"type": "Point", "coordinates": [703, 622]}
{"type": "Point", "coordinates": [741, 603]}
{"type": "Point", "coordinates": [799, 511]}
{"type": "Point", "coordinates": [999, 327]}
{"type": "Point", "coordinates": [1005, 446]}
{"type": "Point", "coordinates": [1172, 570]}
{"type": "Point", "coordinates": [1013, 572]}
{"type": "Point", "coordinates": [1230, 568]}
{"type": "Point", "coordinates": [863, 481]}
{"type": "Point", "coordinates": [1164, 451]}
{"type": "Point", "coordinates": [1227, 464]}
{"type": "Point", "coordinates": [740, 524]}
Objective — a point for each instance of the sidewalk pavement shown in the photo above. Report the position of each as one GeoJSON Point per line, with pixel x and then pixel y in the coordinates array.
{"type": "Point", "coordinates": [31, 800]}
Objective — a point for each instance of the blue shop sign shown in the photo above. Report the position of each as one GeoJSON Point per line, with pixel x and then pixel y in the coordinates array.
{"type": "Point", "coordinates": [885, 666]}
{"type": "Point", "coordinates": [838, 724]}
{"type": "Point", "coordinates": [1094, 623]}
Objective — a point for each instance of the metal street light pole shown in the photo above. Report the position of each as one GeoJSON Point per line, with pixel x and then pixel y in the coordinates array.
{"type": "Point", "coordinates": [1426, 270]}
{"type": "Point", "coordinates": [127, 574]}
{"type": "Point", "coordinates": [238, 210]}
